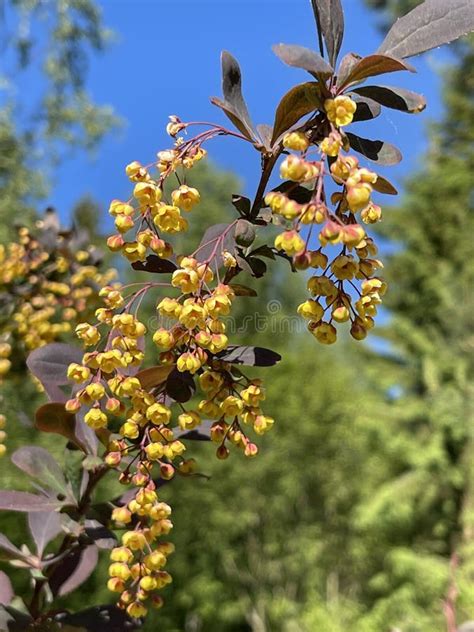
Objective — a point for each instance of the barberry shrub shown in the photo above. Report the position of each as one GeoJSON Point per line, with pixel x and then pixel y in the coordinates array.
{"type": "Point", "coordinates": [134, 417]}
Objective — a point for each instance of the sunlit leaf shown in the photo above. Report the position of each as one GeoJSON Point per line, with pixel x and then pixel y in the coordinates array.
{"type": "Point", "coordinates": [330, 19]}
{"type": "Point", "coordinates": [376, 150]}
{"type": "Point", "coordinates": [304, 58]}
{"type": "Point", "coordinates": [299, 101]}
{"type": "Point", "coordinates": [395, 98]}
{"type": "Point", "coordinates": [429, 25]}
{"type": "Point", "coordinates": [371, 66]}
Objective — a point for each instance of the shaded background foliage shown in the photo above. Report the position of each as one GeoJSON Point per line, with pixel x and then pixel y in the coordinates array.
{"type": "Point", "coordinates": [365, 490]}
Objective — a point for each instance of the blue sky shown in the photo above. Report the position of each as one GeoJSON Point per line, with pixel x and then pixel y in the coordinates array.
{"type": "Point", "coordinates": [166, 61]}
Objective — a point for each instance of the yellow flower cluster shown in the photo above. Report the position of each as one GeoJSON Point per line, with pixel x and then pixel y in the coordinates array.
{"type": "Point", "coordinates": [135, 405]}
{"type": "Point", "coordinates": [136, 569]}
{"type": "Point", "coordinates": [147, 212]}
{"type": "Point", "coordinates": [48, 289]}
{"type": "Point", "coordinates": [356, 260]}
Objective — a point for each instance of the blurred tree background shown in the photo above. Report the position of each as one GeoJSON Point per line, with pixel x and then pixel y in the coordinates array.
{"type": "Point", "coordinates": [363, 493]}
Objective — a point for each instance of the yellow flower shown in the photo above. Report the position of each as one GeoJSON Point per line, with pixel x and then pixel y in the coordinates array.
{"type": "Point", "coordinates": [185, 197]}
{"type": "Point", "coordinates": [188, 362]}
{"type": "Point", "coordinates": [189, 420]}
{"type": "Point", "coordinates": [232, 406]}
{"type": "Point", "coordinates": [340, 110]}
{"type": "Point", "coordinates": [95, 418]}
{"type": "Point", "coordinates": [325, 333]}
{"type": "Point", "coordinates": [291, 242]}
{"type": "Point", "coordinates": [158, 413]}
{"type": "Point", "coordinates": [358, 196]}
{"type": "Point", "coordinates": [296, 141]}
{"type": "Point", "coordinates": [311, 309]}
{"type": "Point", "coordinates": [331, 145]}
{"type": "Point", "coordinates": [344, 267]}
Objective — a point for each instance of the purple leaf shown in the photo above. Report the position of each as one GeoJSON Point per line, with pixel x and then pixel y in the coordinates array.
{"type": "Point", "coordinates": [305, 58]}
{"type": "Point", "coordinates": [44, 527]}
{"type": "Point", "coordinates": [8, 551]}
{"type": "Point", "coordinates": [371, 66]}
{"type": "Point", "coordinates": [102, 537]}
{"type": "Point", "coordinates": [367, 109]}
{"type": "Point", "coordinates": [84, 433]}
{"type": "Point", "coordinates": [24, 501]}
{"type": "Point", "coordinates": [431, 24]}
{"type": "Point", "coordinates": [216, 239]}
{"type": "Point", "coordinates": [99, 619]}
{"type": "Point", "coordinates": [155, 264]}
{"type": "Point", "coordinates": [6, 590]}
{"type": "Point", "coordinates": [74, 570]}
{"type": "Point", "coordinates": [201, 433]}
{"type": "Point", "coordinates": [49, 364]}
{"type": "Point", "coordinates": [232, 90]}
{"type": "Point", "coordinates": [330, 19]}
{"type": "Point", "coordinates": [375, 150]}
{"type": "Point", "coordinates": [250, 356]}
{"type": "Point", "coordinates": [180, 386]}
{"type": "Point", "coordinates": [296, 103]}
{"type": "Point", "coordinates": [41, 465]}
{"type": "Point", "coordinates": [395, 98]}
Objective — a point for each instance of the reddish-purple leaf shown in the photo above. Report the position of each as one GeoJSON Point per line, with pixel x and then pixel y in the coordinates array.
{"type": "Point", "coordinates": [330, 19]}
{"type": "Point", "coordinates": [44, 527]}
{"type": "Point", "coordinates": [382, 185]}
{"type": "Point", "coordinates": [250, 356]}
{"type": "Point", "coordinates": [24, 501]}
{"type": "Point", "coordinates": [429, 25]}
{"type": "Point", "coordinates": [395, 98]}
{"type": "Point", "coordinates": [153, 376]}
{"type": "Point", "coordinates": [367, 109]}
{"type": "Point", "coordinates": [53, 417]}
{"type": "Point", "coordinates": [376, 150]}
{"type": "Point", "coordinates": [234, 104]}
{"type": "Point", "coordinates": [49, 364]}
{"type": "Point", "coordinates": [8, 551]}
{"type": "Point", "coordinates": [41, 465]}
{"type": "Point", "coordinates": [155, 264]}
{"type": "Point", "coordinates": [180, 386]}
{"type": "Point", "coordinates": [299, 101]}
{"type": "Point", "coordinates": [99, 619]}
{"type": "Point", "coordinates": [102, 537]}
{"type": "Point", "coordinates": [202, 433]}
{"type": "Point", "coordinates": [242, 290]}
{"type": "Point", "coordinates": [74, 570]}
{"type": "Point", "coordinates": [6, 589]}
{"type": "Point", "coordinates": [216, 239]}
{"type": "Point", "coordinates": [305, 58]}
{"type": "Point", "coordinates": [244, 233]}
{"type": "Point", "coordinates": [232, 115]}
{"type": "Point", "coordinates": [370, 66]}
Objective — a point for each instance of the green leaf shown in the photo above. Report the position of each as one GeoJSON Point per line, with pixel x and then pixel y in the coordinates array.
{"type": "Point", "coordinates": [370, 66]}
{"type": "Point", "coordinates": [431, 24]}
{"type": "Point", "coordinates": [299, 101]}
{"type": "Point", "coordinates": [395, 98]}
{"type": "Point", "coordinates": [376, 150]}
{"type": "Point", "coordinates": [305, 58]}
